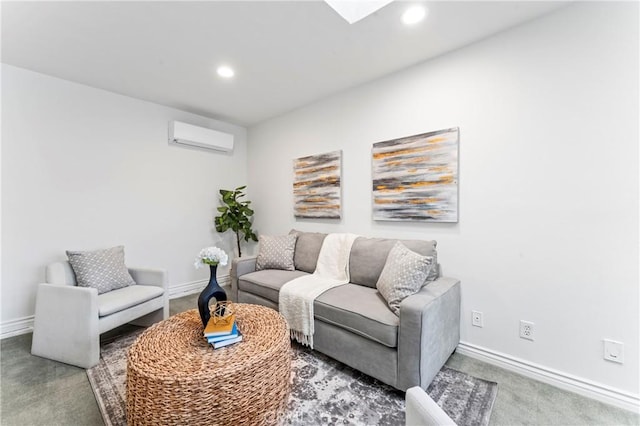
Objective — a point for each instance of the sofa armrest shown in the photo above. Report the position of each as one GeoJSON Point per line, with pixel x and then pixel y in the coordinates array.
{"type": "Point", "coordinates": [239, 267]}
{"type": "Point", "coordinates": [65, 326]}
{"type": "Point", "coordinates": [429, 332]}
{"type": "Point", "coordinates": [147, 276]}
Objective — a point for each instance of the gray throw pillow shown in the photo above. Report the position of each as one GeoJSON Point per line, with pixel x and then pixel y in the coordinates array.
{"type": "Point", "coordinates": [403, 274]}
{"type": "Point", "coordinates": [276, 252]}
{"type": "Point", "coordinates": [103, 270]}
{"type": "Point", "coordinates": [308, 248]}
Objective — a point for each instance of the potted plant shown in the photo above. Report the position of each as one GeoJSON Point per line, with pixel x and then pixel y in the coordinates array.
{"type": "Point", "coordinates": [235, 215]}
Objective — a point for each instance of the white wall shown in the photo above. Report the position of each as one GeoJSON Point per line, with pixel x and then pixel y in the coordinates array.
{"type": "Point", "coordinates": [85, 169]}
{"type": "Point", "coordinates": [548, 230]}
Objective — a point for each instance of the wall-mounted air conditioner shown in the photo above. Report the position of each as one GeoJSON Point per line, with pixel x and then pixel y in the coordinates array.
{"type": "Point", "coordinates": [188, 134]}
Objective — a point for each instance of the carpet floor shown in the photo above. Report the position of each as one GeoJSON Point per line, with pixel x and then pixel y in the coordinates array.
{"type": "Point", "coordinates": [323, 391]}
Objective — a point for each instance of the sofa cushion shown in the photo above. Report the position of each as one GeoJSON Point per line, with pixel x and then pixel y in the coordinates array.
{"type": "Point", "coordinates": [123, 298]}
{"type": "Point", "coordinates": [267, 283]}
{"type": "Point", "coordinates": [103, 270]}
{"type": "Point", "coordinates": [403, 274]}
{"type": "Point", "coordinates": [276, 252]}
{"type": "Point", "coordinates": [368, 256]}
{"type": "Point", "coordinates": [360, 310]}
{"type": "Point", "coordinates": [308, 248]}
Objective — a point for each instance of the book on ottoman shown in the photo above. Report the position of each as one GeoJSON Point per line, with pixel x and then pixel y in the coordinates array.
{"type": "Point", "coordinates": [219, 328]}
{"type": "Point", "coordinates": [226, 342]}
{"type": "Point", "coordinates": [234, 333]}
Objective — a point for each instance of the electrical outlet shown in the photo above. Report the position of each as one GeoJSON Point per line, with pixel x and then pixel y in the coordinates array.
{"type": "Point", "coordinates": [527, 330]}
{"type": "Point", "coordinates": [476, 319]}
{"type": "Point", "coordinates": [613, 351]}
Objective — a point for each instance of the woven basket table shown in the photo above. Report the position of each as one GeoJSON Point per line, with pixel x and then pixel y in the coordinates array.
{"type": "Point", "coordinates": [175, 377]}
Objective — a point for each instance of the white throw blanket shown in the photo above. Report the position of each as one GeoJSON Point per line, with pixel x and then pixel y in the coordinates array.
{"type": "Point", "coordinates": [297, 296]}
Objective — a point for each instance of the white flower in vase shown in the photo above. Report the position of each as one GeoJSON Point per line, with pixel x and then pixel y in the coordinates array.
{"type": "Point", "coordinates": [211, 256]}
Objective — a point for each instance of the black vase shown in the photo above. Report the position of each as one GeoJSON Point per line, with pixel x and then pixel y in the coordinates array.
{"type": "Point", "coordinates": [212, 290]}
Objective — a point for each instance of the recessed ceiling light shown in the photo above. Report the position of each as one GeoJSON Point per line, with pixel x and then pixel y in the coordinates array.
{"type": "Point", "coordinates": [414, 14]}
{"type": "Point", "coordinates": [225, 71]}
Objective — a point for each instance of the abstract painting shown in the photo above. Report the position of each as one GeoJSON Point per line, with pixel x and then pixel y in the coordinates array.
{"type": "Point", "coordinates": [416, 177]}
{"type": "Point", "coordinates": [316, 186]}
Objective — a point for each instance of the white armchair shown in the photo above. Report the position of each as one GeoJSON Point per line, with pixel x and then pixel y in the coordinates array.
{"type": "Point", "coordinates": [69, 319]}
{"type": "Point", "coordinates": [421, 410]}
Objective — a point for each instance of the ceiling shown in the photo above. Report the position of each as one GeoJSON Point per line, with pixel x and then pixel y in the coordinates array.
{"type": "Point", "coordinates": [285, 54]}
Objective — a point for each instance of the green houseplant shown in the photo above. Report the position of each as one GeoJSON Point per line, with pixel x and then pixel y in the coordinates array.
{"type": "Point", "coordinates": [235, 215]}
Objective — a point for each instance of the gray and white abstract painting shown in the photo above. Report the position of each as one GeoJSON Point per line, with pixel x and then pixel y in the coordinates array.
{"type": "Point", "coordinates": [416, 177]}
{"type": "Point", "coordinates": [316, 186]}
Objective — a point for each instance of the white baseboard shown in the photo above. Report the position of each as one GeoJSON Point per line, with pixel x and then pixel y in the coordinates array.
{"type": "Point", "coordinates": [185, 289]}
{"type": "Point", "coordinates": [584, 387]}
{"type": "Point", "coordinates": [24, 325]}
{"type": "Point", "coordinates": [16, 327]}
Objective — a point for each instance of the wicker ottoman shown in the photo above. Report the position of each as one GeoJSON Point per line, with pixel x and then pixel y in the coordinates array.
{"type": "Point", "coordinates": [175, 377]}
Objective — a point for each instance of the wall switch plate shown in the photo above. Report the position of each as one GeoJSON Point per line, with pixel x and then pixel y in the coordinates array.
{"type": "Point", "coordinates": [613, 351]}
{"type": "Point", "coordinates": [476, 319]}
{"type": "Point", "coordinates": [527, 330]}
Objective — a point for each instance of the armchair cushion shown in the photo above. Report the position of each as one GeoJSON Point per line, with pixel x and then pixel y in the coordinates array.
{"type": "Point", "coordinates": [123, 298]}
{"type": "Point", "coordinates": [103, 270]}
{"type": "Point", "coordinates": [403, 274]}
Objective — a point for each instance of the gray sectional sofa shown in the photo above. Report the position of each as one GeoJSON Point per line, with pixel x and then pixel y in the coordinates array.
{"type": "Point", "coordinates": [353, 323]}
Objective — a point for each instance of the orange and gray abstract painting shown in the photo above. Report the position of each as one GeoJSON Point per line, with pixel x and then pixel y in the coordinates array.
{"type": "Point", "coordinates": [316, 186]}
{"type": "Point", "coordinates": [416, 177]}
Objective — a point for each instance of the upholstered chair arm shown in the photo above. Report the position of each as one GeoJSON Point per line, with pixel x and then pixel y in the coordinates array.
{"type": "Point", "coordinates": [58, 333]}
{"type": "Point", "coordinates": [422, 410]}
{"type": "Point", "coordinates": [239, 267]}
{"type": "Point", "coordinates": [147, 276]}
{"type": "Point", "coordinates": [429, 332]}
{"type": "Point", "coordinates": [157, 278]}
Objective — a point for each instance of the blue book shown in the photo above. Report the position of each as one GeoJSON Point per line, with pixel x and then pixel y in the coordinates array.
{"type": "Point", "coordinates": [234, 333]}
{"type": "Point", "coordinates": [217, 345]}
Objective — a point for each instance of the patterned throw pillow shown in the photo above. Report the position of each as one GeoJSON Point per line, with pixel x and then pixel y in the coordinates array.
{"type": "Point", "coordinates": [103, 270]}
{"type": "Point", "coordinates": [276, 252]}
{"type": "Point", "coordinates": [403, 274]}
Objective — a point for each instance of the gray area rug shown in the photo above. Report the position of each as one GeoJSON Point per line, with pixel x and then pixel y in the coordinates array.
{"type": "Point", "coordinates": [323, 391]}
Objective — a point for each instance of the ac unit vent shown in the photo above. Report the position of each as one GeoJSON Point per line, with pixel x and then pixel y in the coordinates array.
{"type": "Point", "coordinates": [188, 134]}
